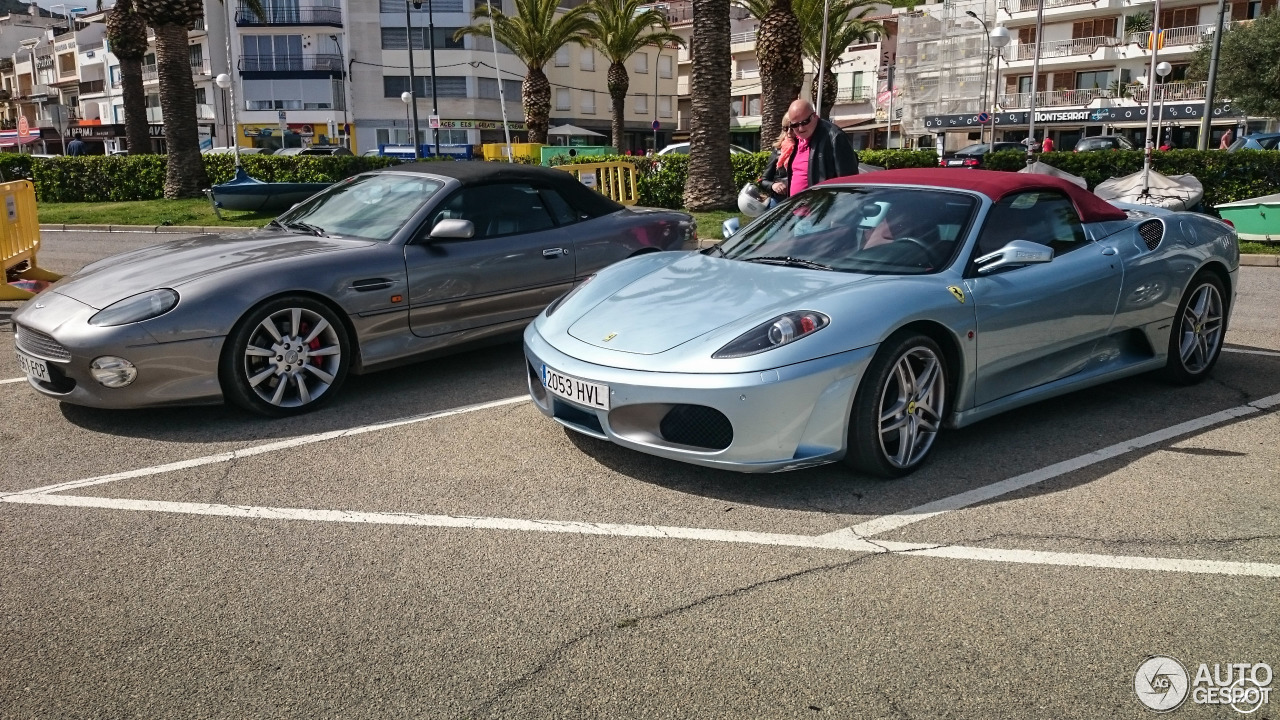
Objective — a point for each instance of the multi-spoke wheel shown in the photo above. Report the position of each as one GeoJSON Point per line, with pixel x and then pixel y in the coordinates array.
{"type": "Point", "coordinates": [286, 356]}
{"type": "Point", "coordinates": [899, 407]}
{"type": "Point", "coordinates": [1195, 341]}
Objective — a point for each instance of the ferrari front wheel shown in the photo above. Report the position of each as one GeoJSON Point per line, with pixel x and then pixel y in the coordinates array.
{"type": "Point", "coordinates": [286, 356]}
{"type": "Point", "coordinates": [899, 407]}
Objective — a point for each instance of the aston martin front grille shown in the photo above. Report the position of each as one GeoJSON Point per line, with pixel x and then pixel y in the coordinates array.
{"type": "Point", "coordinates": [697, 426]}
{"type": "Point", "coordinates": [1152, 232]}
{"type": "Point", "coordinates": [41, 345]}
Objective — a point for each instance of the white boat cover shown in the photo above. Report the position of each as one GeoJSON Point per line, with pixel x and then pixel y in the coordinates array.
{"type": "Point", "coordinates": [1176, 192]}
{"type": "Point", "coordinates": [1040, 168]}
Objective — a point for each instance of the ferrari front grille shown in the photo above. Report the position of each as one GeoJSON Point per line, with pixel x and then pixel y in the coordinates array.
{"type": "Point", "coordinates": [34, 342]}
{"type": "Point", "coordinates": [1152, 232]}
{"type": "Point", "coordinates": [697, 426]}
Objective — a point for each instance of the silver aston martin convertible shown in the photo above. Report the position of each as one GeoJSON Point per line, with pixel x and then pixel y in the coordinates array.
{"type": "Point", "coordinates": [380, 269]}
{"type": "Point", "coordinates": [858, 318]}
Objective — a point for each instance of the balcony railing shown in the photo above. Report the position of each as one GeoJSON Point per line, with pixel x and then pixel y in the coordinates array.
{"type": "Point", "coordinates": [1014, 6]}
{"type": "Point", "coordinates": [860, 93]}
{"type": "Point", "coordinates": [200, 66]}
{"type": "Point", "coordinates": [150, 74]}
{"type": "Point", "coordinates": [6, 64]}
{"type": "Point", "coordinates": [1063, 48]}
{"type": "Point", "coordinates": [742, 37]}
{"type": "Point", "coordinates": [1172, 92]}
{"type": "Point", "coordinates": [92, 86]}
{"type": "Point", "coordinates": [290, 15]}
{"type": "Point", "coordinates": [94, 45]}
{"type": "Point", "coordinates": [1192, 35]}
{"type": "Point", "coordinates": [1052, 98]}
{"type": "Point", "coordinates": [746, 74]}
{"type": "Point", "coordinates": [294, 63]}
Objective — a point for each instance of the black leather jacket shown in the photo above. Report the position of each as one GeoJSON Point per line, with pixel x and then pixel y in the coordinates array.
{"type": "Point", "coordinates": [831, 155]}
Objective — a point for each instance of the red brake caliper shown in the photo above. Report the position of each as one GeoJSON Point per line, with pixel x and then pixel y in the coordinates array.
{"type": "Point", "coordinates": [314, 345]}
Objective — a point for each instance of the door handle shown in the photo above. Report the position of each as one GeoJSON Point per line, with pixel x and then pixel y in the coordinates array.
{"type": "Point", "coordinates": [1108, 251]}
{"type": "Point", "coordinates": [554, 252]}
{"type": "Point", "coordinates": [371, 284]}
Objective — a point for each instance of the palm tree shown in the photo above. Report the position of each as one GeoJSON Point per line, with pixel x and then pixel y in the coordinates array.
{"type": "Point", "coordinates": [619, 29]}
{"type": "Point", "coordinates": [534, 34]}
{"type": "Point", "coordinates": [846, 25]}
{"type": "Point", "coordinates": [709, 185]}
{"type": "Point", "coordinates": [127, 37]}
{"type": "Point", "coordinates": [778, 47]}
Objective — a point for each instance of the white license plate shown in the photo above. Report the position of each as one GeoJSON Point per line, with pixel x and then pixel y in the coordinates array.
{"type": "Point", "coordinates": [581, 392]}
{"type": "Point", "coordinates": [34, 368]}
{"type": "Point", "coordinates": [955, 163]}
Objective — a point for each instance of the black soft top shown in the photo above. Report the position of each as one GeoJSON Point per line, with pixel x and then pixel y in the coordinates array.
{"type": "Point", "coordinates": [477, 172]}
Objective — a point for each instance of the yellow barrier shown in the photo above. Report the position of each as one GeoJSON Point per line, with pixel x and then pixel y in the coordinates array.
{"type": "Point", "coordinates": [20, 238]}
{"type": "Point", "coordinates": [519, 151]}
{"type": "Point", "coordinates": [617, 180]}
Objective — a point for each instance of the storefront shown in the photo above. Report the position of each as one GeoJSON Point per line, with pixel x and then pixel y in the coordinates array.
{"type": "Point", "coordinates": [99, 139]}
{"type": "Point", "coordinates": [158, 142]}
{"type": "Point", "coordinates": [261, 135]}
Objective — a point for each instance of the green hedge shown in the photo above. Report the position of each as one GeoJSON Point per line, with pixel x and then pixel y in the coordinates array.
{"type": "Point", "coordinates": [100, 178]}
{"type": "Point", "coordinates": [662, 179]}
{"type": "Point", "coordinates": [1226, 176]}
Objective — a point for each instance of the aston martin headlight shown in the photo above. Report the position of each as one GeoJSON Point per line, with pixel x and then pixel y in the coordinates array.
{"type": "Point", "coordinates": [775, 333]}
{"type": "Point", "coordinates": [561, 300]}
{"type": "Point", "coordinates": [143, 306]}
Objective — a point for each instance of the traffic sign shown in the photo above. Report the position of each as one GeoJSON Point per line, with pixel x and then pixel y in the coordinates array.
{"type": "Point", "coordinates": [656, 125]}
{"type": "Point", "coordinates": [984, 117]}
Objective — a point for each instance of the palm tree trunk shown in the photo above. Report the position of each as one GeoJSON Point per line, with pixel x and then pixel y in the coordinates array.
{"type": "Point", "coordinates": [536, 94]}
{"type": "Point", "coordinates": [185, 176]}
{"type": "Point", "coordinates": [136, 132]}
{"type": "Point", "coordinates": [709, 185]}
{"type": "Point", "coordinates": [619, 83]}
{"type": "Point", "coordinates": [778, 47]}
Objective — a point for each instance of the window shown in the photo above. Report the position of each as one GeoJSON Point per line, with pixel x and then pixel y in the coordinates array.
{"type": "Point", "coordinates": [1024, 83]}
{"type": "Point", "coordinates": [588, 102]}
{"type": "Point", "coordinates": [735, 107]}
{"type": "Point", "coordinates": [642, 63]}
{"type": "Point", "coordinates": [290, 94]}
{"type": "Point", "coordinates": [371, 206]}
{"type": "Point", "coordinates": [1090, 79]}
{"type": "Point", "coordinates": [1100, 27]}
{"type": "Point", "coordinates": [1026, 35]}
{"type": "Point", "coordinates": [1047, 218]}
{"type": "Point", "coordinates": [497, 4]}
{"type": "Point", "coordinates": [753, 104]}
{"type": "Point", "coordinates": [560, 210]}
{"type": "Point", "coordinates": [642, 104]}
{"type": "Point", "coordinates": [488, 89]}
{"type": "Point", "coordinates": [446, 86]}
{"type": "Point", "coordinates": [393, 38]}
{"type": "Point", "coordinates": [562, 56]}
{"type": "Point", "coordinates": [437, 6]}
{"type": "Point", "coordinates": [1182, 17]}
{"type": "Point", "coordinates": [664, 66]}
{"type": "Point", "coordinates": [196, 54]}
{"type": "Point", "coordinates": [272, 52]}
{"type": "Point", "coordinates": [563, 99]}
{"type": "Point", "coordinates": [497, 210]}
{"type": "Point", "coordinates": [587, 61]}
{"type": "Point", "coordinates": [201, 97]}
{"type": "Point", "coordinates": [664, 106]}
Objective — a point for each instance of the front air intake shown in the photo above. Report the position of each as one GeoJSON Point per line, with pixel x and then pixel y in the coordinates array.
{"type": "Point", "coordinates": [697, 426]}
{"type": "Point", "coordinates": [1152, 232]}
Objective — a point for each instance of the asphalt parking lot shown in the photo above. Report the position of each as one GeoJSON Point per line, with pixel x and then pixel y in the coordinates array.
{"type": "Point", "coordinates": [429, 545]}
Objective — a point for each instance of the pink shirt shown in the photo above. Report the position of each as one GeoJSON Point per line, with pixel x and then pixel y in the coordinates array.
{"type": "Point", "coordinates": [800, 167]}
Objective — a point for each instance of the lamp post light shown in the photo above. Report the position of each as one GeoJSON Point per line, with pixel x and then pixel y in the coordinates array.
{"type": "Point", "coordinates": [1162, 69]}
{"type": "Point", "coordinates": [223, 81]}
{"type": "Point", "coordinates": [999, 38]}
{"type": "Point", "coordinates": [408, 100]}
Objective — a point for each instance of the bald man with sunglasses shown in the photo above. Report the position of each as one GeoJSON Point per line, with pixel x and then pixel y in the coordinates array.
{"type": "Point", "coordinates": [822, 151]}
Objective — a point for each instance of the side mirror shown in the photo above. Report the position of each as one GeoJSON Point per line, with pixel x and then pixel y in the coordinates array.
{"type": "Point", "coordinates": [453, 229]}
{"type": "Point", "coordinates": [729, 227]}
{"type": "Point", "coordinates": [1018, 252]}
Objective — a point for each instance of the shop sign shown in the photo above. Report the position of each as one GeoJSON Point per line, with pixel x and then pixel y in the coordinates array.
{"type": "Point", "coordinates": [1173, 112]}
{"type": "Point", "coordinates": [480, 125]}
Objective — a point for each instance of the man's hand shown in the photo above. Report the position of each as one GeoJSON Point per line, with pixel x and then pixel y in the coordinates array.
{"type": "Point", "coordinates": [780, 189]}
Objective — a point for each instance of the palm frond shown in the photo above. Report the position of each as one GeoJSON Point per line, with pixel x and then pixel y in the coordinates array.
{"type": "Point", "coordinates": [620, 28]}
{"type": "Point", "coordinates": [535, 32]}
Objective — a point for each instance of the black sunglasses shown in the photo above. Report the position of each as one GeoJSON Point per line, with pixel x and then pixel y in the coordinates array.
{"type": "Point", "coordinates": [802, 123]}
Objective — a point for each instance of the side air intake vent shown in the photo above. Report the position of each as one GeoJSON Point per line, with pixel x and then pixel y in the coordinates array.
{"type": "Point", "coordinates": [1152, 232]}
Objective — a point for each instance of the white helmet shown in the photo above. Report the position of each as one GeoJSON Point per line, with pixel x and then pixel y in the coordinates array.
{"type": "Point", "coordinates": [751, 201]}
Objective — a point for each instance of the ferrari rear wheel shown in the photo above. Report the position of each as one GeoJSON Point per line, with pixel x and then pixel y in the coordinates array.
{"type": "Point", "coordinates": [285, 357]}
{"type": "Point", "coordinates": [899, 407]}
{"type": "Point", "coordinates": [1195, 341]}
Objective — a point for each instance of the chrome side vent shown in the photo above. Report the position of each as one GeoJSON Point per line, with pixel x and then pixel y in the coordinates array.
{"type": "Point", "coordinates": [1152, 232]}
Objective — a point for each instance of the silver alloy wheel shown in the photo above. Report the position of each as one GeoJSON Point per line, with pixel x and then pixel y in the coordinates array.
{"type": "Point", "coordinates": [911, 407]}
{"type": "Point", "coordinates": [1201, 329]}
{"type": "Point", "coordinates": [292, 357]}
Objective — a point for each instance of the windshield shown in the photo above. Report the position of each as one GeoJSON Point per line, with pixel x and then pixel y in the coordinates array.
{"type": "Point", "coordinates": [372, 207]}
{"type": "Point", "coordinates": [978, 149]}
{"type": "Point", "coordinates": [870, 229]}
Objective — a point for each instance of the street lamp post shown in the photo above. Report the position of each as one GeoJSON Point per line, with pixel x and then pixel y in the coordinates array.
{"type": "Point", "coordinates": [223, 81]}
{"type": "Point", "coordinates": [1162, 69]}
{"type": "Point", "coordinates": [346, 71]}
{"type": "Point", "coordinates": [408, 100]}
{"type": "Point", "coordinates": [1035, 74]}
{"type": "Point", "coordinates": [1151, 98]}
{"type": "Point", "coordinates": [431, 44]}
{"type": "Point", "coordinates": [986, 68]}
{"type": "Point", "coordinates": [999, 38]}
{"type": "Point", "coordinates": [657, 58]}
{"type": "Point", "coordinates": [410, 97]}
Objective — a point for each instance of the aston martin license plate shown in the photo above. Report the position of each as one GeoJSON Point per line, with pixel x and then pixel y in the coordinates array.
{"type": "Point", "coordinates": [581, 392]}
{"type": "Point", "coordinates": [34, 368]}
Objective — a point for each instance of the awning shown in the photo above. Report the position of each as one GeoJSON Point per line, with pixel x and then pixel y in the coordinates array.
{"type": "Point", "coordinates": [9, 138]}
{"type": "Point", "coordinates": [861, 125]}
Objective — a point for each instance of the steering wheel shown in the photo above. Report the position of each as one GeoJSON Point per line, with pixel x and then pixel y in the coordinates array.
{"type": "Point", "coordinates": [925, 250]}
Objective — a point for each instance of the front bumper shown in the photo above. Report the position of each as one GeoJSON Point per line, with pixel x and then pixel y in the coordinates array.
{"type": "Point", "coordinates": [781, 419]}
{"type": "Point", "coordinates": [177, 373]}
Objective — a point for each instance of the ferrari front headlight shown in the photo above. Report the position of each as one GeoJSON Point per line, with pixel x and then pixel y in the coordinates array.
{"type": "Point", "coordinates": [143, 306]}
{"type": "Point", "coordinates": [777, 332]}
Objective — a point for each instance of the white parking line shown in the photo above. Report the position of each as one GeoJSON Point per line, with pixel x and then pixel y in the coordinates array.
{"type": "Point", "coordinates": [269, 447]}
{"type": "Point", "coordinates": [1242, 351]}
{"type": "Point", "coordinates": [658, 532]}
{"type": "Point", "coordinates": [12, 380]}
{"type": "Point", "coordinates": [933, 509]}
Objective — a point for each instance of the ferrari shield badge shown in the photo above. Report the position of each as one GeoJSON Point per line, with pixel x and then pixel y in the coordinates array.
{"type": "Point", "coordinates": [955, 290]}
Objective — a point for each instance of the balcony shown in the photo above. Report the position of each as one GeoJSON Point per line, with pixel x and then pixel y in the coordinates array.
{"type": "Point", "coordinates": [87, 46]}
{"type": "Point", "coordinates": [746, 74]}
{"type": "Point", "coordinates": [1063, 48]}
{"type": "Point", "coordinates": [861, 93]}
{"type": "Point", "coordinates": [6, 65]}
{"type": "Point", "coordinates": [92, 86]}
{"type": "Point", "coordinates": [1017, 6]}
{"type": "Point", "coordinates": [150, 74]}
{"type": "Point", "coordinates": [1052, 98]}
{"type": "Point", "coordinates": [290, 14]}
{"type": "Point", "coordinates": [200, 66]}
{"type": "Point", "coordinates": [743, 37]}
{"type": "Point", "coordinates": [1172, 92]}
{"type": "Point", "coordinates": [1174, 37]}
{"type": "Point", "coordinates": [330, 63]}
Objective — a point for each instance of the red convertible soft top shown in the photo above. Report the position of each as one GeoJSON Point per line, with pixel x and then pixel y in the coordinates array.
{"type": "Point", "coordinates": [993, 184]}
